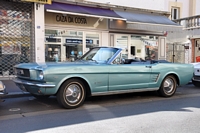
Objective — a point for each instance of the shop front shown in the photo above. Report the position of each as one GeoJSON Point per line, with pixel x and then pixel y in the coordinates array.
{"type": "Point", "coordinates": [71, 30]}
{"type": "Point", "coordinates": [142, 35]}
{"type": "Point", "coordinates": [16, 35]}
{"type": "Point", "coordinates": [67, 37]}
{"type": "Point", "coordinates": [69, 33]}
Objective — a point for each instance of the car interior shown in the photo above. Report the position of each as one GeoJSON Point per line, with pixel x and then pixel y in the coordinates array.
{"type": "Point", "coordinates": [141, 61]}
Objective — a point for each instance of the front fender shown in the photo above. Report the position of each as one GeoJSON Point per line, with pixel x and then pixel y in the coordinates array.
{"type": "Point", "coordinates": [170, 73]}
{"type": "Point", "coordinates": [69, 77]}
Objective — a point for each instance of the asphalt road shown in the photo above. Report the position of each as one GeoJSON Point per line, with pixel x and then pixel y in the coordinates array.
{"type": "Point", "coordinates": [128, 113]}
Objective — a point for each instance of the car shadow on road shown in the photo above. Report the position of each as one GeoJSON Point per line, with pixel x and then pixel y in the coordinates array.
{"type": "Point", "coordinates": [109, 107]}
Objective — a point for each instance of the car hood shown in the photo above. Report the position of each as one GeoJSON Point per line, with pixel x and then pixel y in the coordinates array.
{"type": "Point", "coordinates": [52, 64]}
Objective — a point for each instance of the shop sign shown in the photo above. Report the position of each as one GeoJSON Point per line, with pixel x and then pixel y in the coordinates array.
{"type": "Point", "coordinates": [39, 1]}
{"type": "Point", "coordinates": [78, 41]}
{"type": "Point", "coordinates": [71, 19]}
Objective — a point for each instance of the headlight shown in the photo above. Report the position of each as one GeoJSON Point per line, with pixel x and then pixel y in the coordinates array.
{"type": "Point", "coordinates": [41, 75]}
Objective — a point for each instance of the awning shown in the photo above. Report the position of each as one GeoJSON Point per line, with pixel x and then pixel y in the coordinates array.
{"type": "Point", "coordinates": [149, 22]}
{"type": "Point", "coordinates": [82, 10]}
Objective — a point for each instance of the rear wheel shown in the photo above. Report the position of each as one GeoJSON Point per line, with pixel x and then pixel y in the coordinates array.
{"type": "Point", "coordinates": [71, 94]}
{"type": "Point", "coordinates": [196, 83]}
{"type": "Point", "coordinates": [168, 86]}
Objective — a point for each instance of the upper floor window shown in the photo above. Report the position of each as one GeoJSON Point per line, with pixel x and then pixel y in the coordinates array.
{"type": "Point", "coordinates": [175, 13]}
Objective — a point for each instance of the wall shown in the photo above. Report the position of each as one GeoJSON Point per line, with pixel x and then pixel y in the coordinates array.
{"type": "Point", "coordinates": [197, 7]}
{"type": "Point", "coordinates": [185, 8]}
{"type": "Point", "coordinates": [160, 5]}
{"type": "Point", "coordinates": [39, 33]}
{"type": "Point", "coordinates": [147, 4]}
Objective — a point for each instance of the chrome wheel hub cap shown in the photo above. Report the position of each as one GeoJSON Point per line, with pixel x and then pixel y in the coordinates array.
{"type": "Point", "coordinates": [73, 93]}
{"type": "Point", "coordinates": [168, 85]}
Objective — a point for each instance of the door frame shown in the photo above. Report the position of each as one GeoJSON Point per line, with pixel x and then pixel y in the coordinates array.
{"type": "Point", "coordinates": [128, 42]}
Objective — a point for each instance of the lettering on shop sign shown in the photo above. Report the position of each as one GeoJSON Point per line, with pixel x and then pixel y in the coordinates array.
{"type": "Point", "coordinates": [70, 19]}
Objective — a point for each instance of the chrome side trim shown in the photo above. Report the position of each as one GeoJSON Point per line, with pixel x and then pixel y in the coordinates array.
{"type": "Point", "coordinates": [123, 91]}
{"type": "Point", "coordinates": [195, 79]}
{"type": "Point", "coordinates": [157, 78]}
{"type": "Point", "coordinates": [42, 85]}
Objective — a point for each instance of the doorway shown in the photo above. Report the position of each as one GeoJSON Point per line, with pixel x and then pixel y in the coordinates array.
{"type": "Point", "coordinates": [176, 53]}
{"type": "Point", "coordinates": [137, 46]}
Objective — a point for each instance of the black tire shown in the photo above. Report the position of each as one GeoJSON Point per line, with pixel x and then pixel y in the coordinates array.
{"type": "Point", "coordinates": [77, 96]}
{"type": "Point", "coordinates": [168, 86]}
{"type": "Point", "coordinates": [196, 83]}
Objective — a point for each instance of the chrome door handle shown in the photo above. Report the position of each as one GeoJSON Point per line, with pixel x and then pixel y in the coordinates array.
{"type": "Point", "coordinates": [148, 66]}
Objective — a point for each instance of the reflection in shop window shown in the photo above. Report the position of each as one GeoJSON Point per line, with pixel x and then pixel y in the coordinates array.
{"type": "Point", "coordinates": [122, 42]}
{"type": "Point", "coordinates": [144, 47]}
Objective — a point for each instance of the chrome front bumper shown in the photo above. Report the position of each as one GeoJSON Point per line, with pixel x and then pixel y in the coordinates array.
{"type": "Point", "coordinates": [41, 85]}
{"type": "Point", "coordinates": [196, 78]}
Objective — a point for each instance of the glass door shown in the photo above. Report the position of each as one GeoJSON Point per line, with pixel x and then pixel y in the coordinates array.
{"type": "Point", "coordinates": [74, 45]}
{"type": "Point", "coordinates": [92, 40]}
{"type": "Point", "coordinates": [121, 41]}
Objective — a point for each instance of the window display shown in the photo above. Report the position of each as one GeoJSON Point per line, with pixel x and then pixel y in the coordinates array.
{"type": "Point", "coordinates": [69, 43]}
{"type": "Point", "coordinates": [53, 53]}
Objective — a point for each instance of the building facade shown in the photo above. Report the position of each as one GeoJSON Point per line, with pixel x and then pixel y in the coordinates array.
{"type": "Point", "coordinates": [64, 30]}
{"type": "Point", "coordinates": [70, 33]}
{"type": "Point", "coordinates": [182, 46]}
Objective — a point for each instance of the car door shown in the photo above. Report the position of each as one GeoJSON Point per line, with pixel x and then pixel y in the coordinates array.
{"type": "Point", "coordinates": [129, 76]}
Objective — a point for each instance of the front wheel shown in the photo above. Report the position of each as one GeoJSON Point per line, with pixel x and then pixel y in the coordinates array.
{"type": "Point", "coordinates": [168, 86]}
{"type": "Point", "coordinates": [71, 94]}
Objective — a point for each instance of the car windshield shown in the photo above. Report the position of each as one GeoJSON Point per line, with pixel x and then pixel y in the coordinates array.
{"type": "Point", "coordinates": [100, 55]}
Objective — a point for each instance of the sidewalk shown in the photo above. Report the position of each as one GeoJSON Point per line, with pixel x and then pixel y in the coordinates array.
{"type": "Point", "coordinates": [12, 90]}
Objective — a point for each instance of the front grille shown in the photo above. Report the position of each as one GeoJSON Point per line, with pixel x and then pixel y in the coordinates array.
{"type": "Point", "coordinates": [23, 72]}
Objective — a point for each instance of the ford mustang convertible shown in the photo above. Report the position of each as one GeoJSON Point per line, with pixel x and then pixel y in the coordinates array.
{"type": "Point", "coordinates": [101, 71]}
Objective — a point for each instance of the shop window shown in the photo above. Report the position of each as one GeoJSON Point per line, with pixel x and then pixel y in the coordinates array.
{"type": "Point", "coordinates": [53, 53]}
{"type": "Point", "coordinates": [69, 43]}
{"type": "Point", "coordinates": [144, 47]}
{"type": "Point", "coordinates": [92, 40]}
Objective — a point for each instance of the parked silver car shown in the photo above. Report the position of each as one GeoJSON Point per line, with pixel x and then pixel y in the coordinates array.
{"type": "Point", "coordinates": [2, 90]}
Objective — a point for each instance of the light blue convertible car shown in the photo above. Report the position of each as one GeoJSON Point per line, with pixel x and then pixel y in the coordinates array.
{"type": "Point", "coordinates": [101, 71]}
